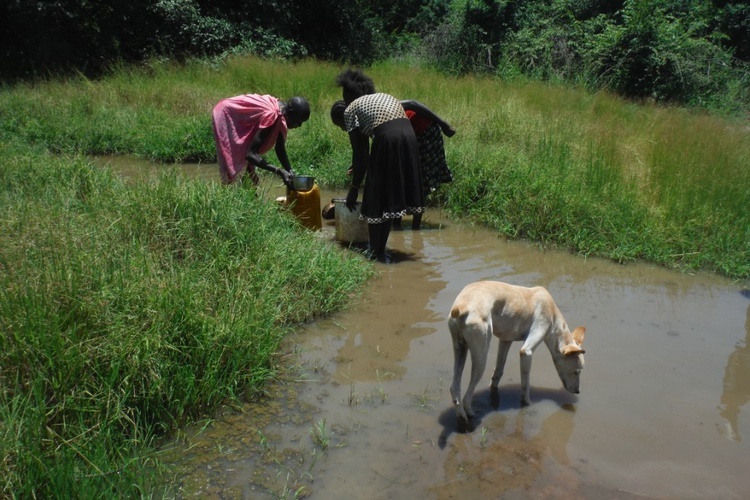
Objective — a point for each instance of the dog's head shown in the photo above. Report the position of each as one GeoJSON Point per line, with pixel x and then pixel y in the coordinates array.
{"type": "Point", "coordinates": [569, 360]}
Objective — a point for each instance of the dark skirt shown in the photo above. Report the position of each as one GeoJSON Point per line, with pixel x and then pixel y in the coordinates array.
{"type": "Point", "coordinates": [393, 183]}
{"type": "Point", "coordinates": [432, 162]}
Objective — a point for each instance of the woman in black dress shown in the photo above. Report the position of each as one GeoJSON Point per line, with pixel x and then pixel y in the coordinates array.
{"type": "Point", "coordinates": [389, 166]}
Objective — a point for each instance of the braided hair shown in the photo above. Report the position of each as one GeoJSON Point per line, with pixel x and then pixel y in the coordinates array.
{"type": "Point", "coordinates": [354, 84]}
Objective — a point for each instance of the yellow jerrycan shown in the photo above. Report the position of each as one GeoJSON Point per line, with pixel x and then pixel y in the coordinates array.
{"type": "Point", "coordinates": [305, 205]}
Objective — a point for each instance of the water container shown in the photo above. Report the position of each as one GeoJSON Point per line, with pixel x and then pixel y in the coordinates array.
{"type": "Point", "coordinates": [305, 205]}
{"type": "Point", "coordinates": [349, 229]}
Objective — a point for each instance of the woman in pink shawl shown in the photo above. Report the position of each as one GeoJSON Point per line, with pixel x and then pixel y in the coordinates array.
{"type": "Point", "coordinates": [249, 125]}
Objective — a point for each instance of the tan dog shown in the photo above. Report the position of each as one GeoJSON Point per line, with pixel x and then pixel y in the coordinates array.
{"type": "Point", "coordinates": [510, 313]}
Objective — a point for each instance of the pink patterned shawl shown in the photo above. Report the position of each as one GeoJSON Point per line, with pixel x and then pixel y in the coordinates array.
{"type": "Point", "coordinates": [236, 121]}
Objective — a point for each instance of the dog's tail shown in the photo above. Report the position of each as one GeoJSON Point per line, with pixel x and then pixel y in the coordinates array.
{"type": "Point", "coordinates": [455, 327]}
{"type": "Point", "coordinates": [455, 312]}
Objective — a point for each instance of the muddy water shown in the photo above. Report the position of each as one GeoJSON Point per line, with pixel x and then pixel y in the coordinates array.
{"type": "Point", "coordinates": [364, 409]}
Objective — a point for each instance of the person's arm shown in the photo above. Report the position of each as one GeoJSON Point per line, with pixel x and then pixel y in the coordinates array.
{"type": "Point", "coordinates": [256, 159]}
{"type": "Point", "coordinates": [280, 149]}
{"type": "Point", "coordinates": [422, 109]}
{"type": "Point", "coordinates": [360, 159]}
{"type": "Point", "coordinates": [360, 156]}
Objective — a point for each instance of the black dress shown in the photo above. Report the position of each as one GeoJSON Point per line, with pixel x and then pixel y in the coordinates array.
{"type": "Point", "coordinates": [393, 183]}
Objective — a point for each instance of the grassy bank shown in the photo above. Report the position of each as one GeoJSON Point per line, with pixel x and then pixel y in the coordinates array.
{"type": "Point", "coordinates": [603, 177]}
{"type": "Point", "coordinates": [126, 310]}
{"type": "Point", "coordinates": [588, 172]}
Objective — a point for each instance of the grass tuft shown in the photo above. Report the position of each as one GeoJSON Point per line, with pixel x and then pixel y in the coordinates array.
{"type": "Point", "coordinates": [128, 310]}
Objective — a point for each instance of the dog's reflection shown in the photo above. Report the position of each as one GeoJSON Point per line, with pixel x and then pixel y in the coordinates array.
{"type": "Point", "coordinates": [491, 400]}
{"type": "Point", "coordinates": [523, 443]}
{"type": "Point", "coordinates": [736, 393]}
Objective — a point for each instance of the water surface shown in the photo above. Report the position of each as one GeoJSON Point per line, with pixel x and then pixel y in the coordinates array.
{"type": "Point", "coordinates": [364, 409]}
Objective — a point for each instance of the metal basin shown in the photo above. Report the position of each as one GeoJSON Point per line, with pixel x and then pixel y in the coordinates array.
{"type": "Point", "coordinates": [302, 182]}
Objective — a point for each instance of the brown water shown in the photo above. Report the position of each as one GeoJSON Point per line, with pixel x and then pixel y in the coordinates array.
{"type": "Point", "coordinates": [663, 410]}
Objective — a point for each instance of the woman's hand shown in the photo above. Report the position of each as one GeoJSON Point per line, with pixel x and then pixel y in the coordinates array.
{"type": "Point", "coordinates": [285, 176]}
{"type": "Point", "coordinates": [448, 130]}
{"type": "Point", "coordinates": [351, 199]}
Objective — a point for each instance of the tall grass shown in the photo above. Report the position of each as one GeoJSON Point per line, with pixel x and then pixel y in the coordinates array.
{"type": "Point", "coordinates": [128, 309]}
{"type": "Point", "coordinates": [589, 172]}
{"type": "Point", "coordinates": [604, 177]}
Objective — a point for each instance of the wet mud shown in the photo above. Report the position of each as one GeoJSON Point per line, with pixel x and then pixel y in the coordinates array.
{"type": "Point", "coordinates": [362, 409]}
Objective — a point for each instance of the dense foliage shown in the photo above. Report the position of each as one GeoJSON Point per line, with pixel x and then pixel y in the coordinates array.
{"type": "Point", "coordinates": [693, 52]}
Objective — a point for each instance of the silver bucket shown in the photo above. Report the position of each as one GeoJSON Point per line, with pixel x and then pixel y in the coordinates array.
{"type": "Point", "coordinates": [349, 229]}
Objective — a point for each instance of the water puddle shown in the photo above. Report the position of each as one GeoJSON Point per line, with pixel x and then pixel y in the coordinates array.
{"type": "Point", "coordinates": [364, 412]}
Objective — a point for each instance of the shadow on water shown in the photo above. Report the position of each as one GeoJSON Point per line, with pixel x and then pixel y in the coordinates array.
{"type": "Point", "coordinates": [489, 401]}
{"type": "Point", "coordinates": [364, 411]}
{"type": "Point", "coordinates": [736, 393]}
{"type": "Point", "coordinates": [395, 256]}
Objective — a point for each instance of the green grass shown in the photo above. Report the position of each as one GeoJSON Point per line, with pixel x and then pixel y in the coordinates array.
{"type": "Point", "coordinates": [127, 309]}
{"type": "Point", "coordinates": [588, 172]}
{"type": "Point", "coordinates": [604, 177]}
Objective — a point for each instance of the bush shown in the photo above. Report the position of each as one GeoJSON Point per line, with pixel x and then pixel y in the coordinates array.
{"type": "Point", "coordinates": [184, 31]}
{"type": "Point", "coordinates": [655, 55]}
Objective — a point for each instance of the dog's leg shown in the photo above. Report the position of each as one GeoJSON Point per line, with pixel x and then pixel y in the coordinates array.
{"type": "Point", "coordinates": [536, 336]}
{"type": "Point", "coordinates": [502, 355]}
{"type": "Point", "coordinates": [479, 346]}
{"type": "Point", "coordinates": [460, 350]}
{"type": "Point", "coordinates": [525, 373]}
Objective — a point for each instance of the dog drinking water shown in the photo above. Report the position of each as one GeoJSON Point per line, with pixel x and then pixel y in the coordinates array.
{"type": "Point", "coordinates": [511, 313]}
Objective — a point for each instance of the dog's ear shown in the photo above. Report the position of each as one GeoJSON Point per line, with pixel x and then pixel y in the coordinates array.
{"type": "Point", "coordinates": [572, 350]}
{"type": "Point", "coordinates": [578, 335]}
